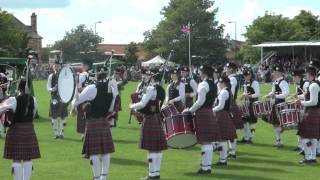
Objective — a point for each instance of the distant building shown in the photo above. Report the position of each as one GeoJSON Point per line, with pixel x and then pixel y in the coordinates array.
{"type": "Point", "coordinates": [35, 42]}
{"type": "Point", "coordinates": [119, 50]}
{"type": "Point", "coordinates": [231, 47]}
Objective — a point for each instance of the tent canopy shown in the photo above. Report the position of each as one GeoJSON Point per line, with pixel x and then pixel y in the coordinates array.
{"type": "Point", "coordinates": [156, 61]}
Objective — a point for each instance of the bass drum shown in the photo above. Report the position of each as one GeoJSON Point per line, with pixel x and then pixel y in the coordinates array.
{"type": "Point", "coordinates": [66, 84]}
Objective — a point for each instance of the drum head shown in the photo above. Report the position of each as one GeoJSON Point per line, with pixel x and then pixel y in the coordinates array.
{"type": "Point", "coordinates": [66, 84]}
{"type": "Point", "coordinates": [181, 141]}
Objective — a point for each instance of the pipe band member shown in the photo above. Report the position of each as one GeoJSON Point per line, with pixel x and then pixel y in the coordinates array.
{"type": "Point", "coordinates": [152, 135]}
{"type": "Point", "coordinates": [191, 86]}
{"type": "Point", "coordinates": [176, 91]}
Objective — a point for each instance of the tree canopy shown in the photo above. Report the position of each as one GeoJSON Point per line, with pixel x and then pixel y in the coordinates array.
{"type": "Point", "coordinates": [206, 33]}
{"type": "Point", "coordinates": [131, 51]}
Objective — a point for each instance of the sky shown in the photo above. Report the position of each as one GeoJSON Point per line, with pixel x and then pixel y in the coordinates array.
{"type": "Point", "coordinates": [124, 21]}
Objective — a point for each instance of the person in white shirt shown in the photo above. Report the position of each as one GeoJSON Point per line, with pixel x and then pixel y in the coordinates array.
{"type": "Point", "coordinates": [98, 143]}
{"type": "Point", "coordinates": [301, 89]}
{"type": "Point", "coordinates": [21, 141]}
{"type": "Point", "coordinates": [250, 95]}
{"type": "Point", "coordinates": [191, 86]}
{"type": "Point", "coordinates": [231, 70]}
{"type": "Point", "coordinates": [280, 91]}
{"type": "Point", "coordinates": [309, 128]}
{"type": "Point", "coordinates": [57, 108]}
{"type": "Point", "coordinates": [207, 129]}
{"type": "Point", "coordinates": [175, 93]}
{"type": "Point", "coordinates": [152, 135]}
{"type": "Point", "coordinates": [222, 113]}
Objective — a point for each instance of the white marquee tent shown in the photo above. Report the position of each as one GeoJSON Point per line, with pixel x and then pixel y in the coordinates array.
{"type": "Point", "coordinates": [156, 61]}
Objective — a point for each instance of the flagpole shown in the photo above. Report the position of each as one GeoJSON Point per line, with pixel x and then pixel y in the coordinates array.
{"type": "Point", "coordinates": [190, 50]}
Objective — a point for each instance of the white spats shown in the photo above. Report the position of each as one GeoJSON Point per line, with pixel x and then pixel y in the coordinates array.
{"type": "Point", "coordinates": [152, 164]}
{"type": "Point", "coordinates": [105, 166]}
{"type": "Point", "coordinates": [27, 170]}
{"type": "Point", "coordinates": [233, 145]}
{"type": "Point", "coordinates": [55, 125]}
{"type": "Point", "coordinates": [17, 171]}
{"type": "Point", "coordinates": [206, 157]}
{"type": "Point", "coordinates": [223, 146]}
{"type": "Point", "coordinates": [278, 132]}
{"type": "Point", "coordinates": [96, 165]}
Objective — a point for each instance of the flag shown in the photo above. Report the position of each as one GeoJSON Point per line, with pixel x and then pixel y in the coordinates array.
{"type": "Point", "coordinates": [186, 28]}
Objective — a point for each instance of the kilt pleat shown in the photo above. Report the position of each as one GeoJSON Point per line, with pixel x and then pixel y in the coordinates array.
{"type": "Point", "coordinates": [152, 134]}
{"type": "Point", "coordinates": [58, 110]}
{"type": "Point", "coordinates": [252, 118]}
{"type": "Point", "coordinates": [80, 120]}
{"type": "Point", "coordinates": [273, 118]}
{"type": "Point", "coordinates": [21, 142]}
{"type": "Point", "coordinates": [227, 127]}
{"type": "Point", "coordinates": [206, 126]}
{"type": "Point", "coordinates": [236, 116]}
{"type": "Point", "coordinates": [310, 126]}
{"type": "Point", "coordinates": [98, 138]}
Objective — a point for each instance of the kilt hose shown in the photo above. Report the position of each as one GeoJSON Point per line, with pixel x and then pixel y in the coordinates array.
{"type": "Point", "coordinates": [252, 118]}
{"type": "Point", "coordinates": [80, 120]}
{"type": "Point", "coordinates": [227, 128]}
{"type": "Point", "coordinates": [58, 110]}
{"type": "Point", "coordinates": [21, 142]}
{"type": "Point", "coordinates": [206, 126]}
{"type": "Point", "coordinates": [309, 128]}
{"type": "Point", "coordinates": [98, 138]}
{"type": "Point", "coordinates": [236, 116]}
{"type": "Point", "coordinates": [152, 136]}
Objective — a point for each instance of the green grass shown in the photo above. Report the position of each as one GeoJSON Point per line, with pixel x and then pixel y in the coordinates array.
{"type": "Point", "coordinates": [61, 160]}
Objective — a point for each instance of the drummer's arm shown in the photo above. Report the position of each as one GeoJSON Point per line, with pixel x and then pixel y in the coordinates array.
{"type": "Point", "coordinates": [182, 92]}
{"type": "Point", "coordinates": [114, 95]}
{"type": "Point", "coordinates": [114, 86]}
{"type": "Point", "coordinates": [284, 86]}
{"type": "Point", "coordinates": [49, 84]}
{"type": "Point", "coordinates": [10, 103]}
{"type": "Point", "coordinates": [203, 90]}
{"type": "Point", "coordinates": [88, 94]}
{"type": "Point", "coordinates": [256, 88]}
{"type": "Point", "coordinates": [35, 106]}
{"type": "Point", "coordinates": [145, 99]}
{"type": "Point", "coordinates": [314, 92]}
{"type": "Point", "coordinates": [194, 87]}
{"type": "Point", "coordinates": [223, 96]}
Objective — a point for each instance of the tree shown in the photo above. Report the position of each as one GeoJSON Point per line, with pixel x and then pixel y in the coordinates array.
{"type": "Point", "coordinates": [77, 43]}
{"type": "Point", "coordinates": [131, 51]}
{"type": "Point", "coordinates": [13, 40]}
{"type": "Point", "coordinates": [206, 33]}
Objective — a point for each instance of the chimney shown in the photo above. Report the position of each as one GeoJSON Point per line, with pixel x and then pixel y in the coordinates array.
{"type": "Point", "coordinates": [34, 22]}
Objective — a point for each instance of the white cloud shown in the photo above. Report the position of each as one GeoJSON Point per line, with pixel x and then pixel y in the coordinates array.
{"type": "Point", "coordinates": [293, 11]}
{"type": "Point", "coordinates": [147, 5]}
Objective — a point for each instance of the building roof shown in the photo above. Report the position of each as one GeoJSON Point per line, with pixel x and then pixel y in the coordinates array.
{"type": "Point", "coordinates": [119, 50]}
{"type": "Point", "coordinates": [28, 29]}
{"type": "Point", "coordinates": [288, 44]}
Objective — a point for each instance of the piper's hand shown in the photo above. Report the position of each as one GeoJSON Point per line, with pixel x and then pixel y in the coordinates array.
{"type": "Point", "coordinates": [214, 114]}
{"type": "Point", "coordinates": [171, 102]}
{"type": "Point", "coordinates": [55, 88]}
{"type": "Point", "coordinates": [186, 111]}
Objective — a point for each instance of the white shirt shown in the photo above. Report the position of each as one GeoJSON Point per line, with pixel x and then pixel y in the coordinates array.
{"type": "Point", "coordinates": [234, 83]}
{"type": "Point", "coordinates": [256, 88]}
{"type": "Point", "coordinates": [89, 93]}
{"type": "Point", "coordinates": [11, 103]}
{"type": "Point", "coordinates": [284, 86]}
{"type": "Point", "coordinates": [83, 77]}
{"type": "Point", "coordinates": [194, 87]}
{"type": "Point", "coordinates": [314, 92]}
{"type": "Point", "coordinates": [182, 95]}
{"type": "Point", "coordinates": [305, 89]}
{"type": "Point", "coordinates": [222, 97]}
{"type": "Point", "coordinates": [202, 91]}
{"type": "Point", "coordinates": [113, 84]}
{"type": "Point", "coordinates": [151, 94]}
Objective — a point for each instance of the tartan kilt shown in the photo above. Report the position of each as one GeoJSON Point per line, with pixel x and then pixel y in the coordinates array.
{"type": "Point", "coordinates": [21, 142]}
{"type": "Point", "coordinates": [81, 123]}
{"type": "Point", "coordinates": [236, 116]}
{"type": "Point", "coordinates": [189, 102]}
{"type": "Point", "coordinates": [58, 110]}
{"type": "Point", "coordinates": [152, 133]}
{"type": "Point", "coordinates": [310, 126]}
{"type": "Point", "coordinates": [98, 138]}
{"type": "Point", "coordinates": [206, 126]}
{"type": "Point", "coordinates": [252, 118]}
{"type": "Point", "coordinates": [226, 125]}
{"type": "Point", "coordinates": [273, 118]}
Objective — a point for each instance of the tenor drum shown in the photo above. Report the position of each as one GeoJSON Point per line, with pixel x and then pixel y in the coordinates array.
{"type": "Point", "coordinates": [180, 131]}
{"type": "Point", "coordinates": [262, 108]}
{"type": "Point", "coordinates": [289, 119]}
{"type": "Point", "coordinates": [169, 110]}
{"type": "Point", "coordinates": [66, 84]}
{"type": "Point", "coordinates": [244, 108]}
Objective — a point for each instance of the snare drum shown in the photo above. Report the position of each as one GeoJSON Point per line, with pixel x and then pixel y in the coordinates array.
{"type": "Point", "coordinates": [244, 108]}
{"type": "Point", "coordinates": [262, 108]}
{"type": "Point", "coordinates": [280, 107]}
{"type": "Point", "coordinates": [294, 105]}
{"type": "Point", "coordinates": [180, 131]}
{"type": "Point", "coordinates": [169, 110]}
{"type": "Point", "coordinates": [289, 119]}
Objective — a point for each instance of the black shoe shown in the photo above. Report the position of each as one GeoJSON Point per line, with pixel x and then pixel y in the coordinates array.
{"type": "Point", "coordinates": [318, 154]}
{"type": "Point", "coordinates": [56, 137]}
{"type": "Point", "coordinates": [313, 161]}
{"type": "Point", "coordinates": [150, 177]}
{"type": "Point", "coordinates": [297, 149]}
{"type": "Point", "coordinates": [301, 153]}
{"type": "Point", "coordinates": [279, 146]}
{"type": "Point", "coordinates": [201, 171]}
{"type": "Point", "coordinates": [61, 136]}
{"type": "Point", "coordinates": [250, 141]}
{"type": "Point", "coordinates": [243, 141]}
{"type": "Point", "coordinates": [304, 161]}
{"type": "Point", "coordinates": [234, 156]}
{"type": "Point", "coordinates": [219, 163]}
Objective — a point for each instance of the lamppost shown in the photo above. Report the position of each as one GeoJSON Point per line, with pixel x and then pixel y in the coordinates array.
{"type": "Point", "coordinates": [95, 27]}
{"type": "Point", "coordinates": [235, 28]}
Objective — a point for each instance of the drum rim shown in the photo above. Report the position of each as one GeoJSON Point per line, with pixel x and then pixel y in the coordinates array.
{"type": "Point", "coordinates": [179, 134]}
{"type": "Point", "coordinates": [74, 85]}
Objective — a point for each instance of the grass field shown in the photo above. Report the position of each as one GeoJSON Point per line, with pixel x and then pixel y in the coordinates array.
{"type": "Point", "coordinates": [61, 159]}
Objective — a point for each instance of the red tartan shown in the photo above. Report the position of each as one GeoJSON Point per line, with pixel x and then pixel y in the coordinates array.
{"type": "Point", "coordinates": [98, 138]}
{"type": "Point", "coordinates": [152, 134]}
{"type": "Point", "coordinates": [273, 118]}
{"type": "Point", "coordinates": [21, 142]}
{"type": "Point", "coordinates": [58, 110]}
{"type": "Point", "coordinates": [227, 128]}
{"type": "Point", "coordinates": [80, 120]}
{"type": "Point", "coordinates": [310, 126]}
{"type": "Point", "coordinates": [236, 116]}
{"type": "Point", "coordinates": [206, 126]}
{"type": "Point", "coordinates": [252, 118]}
